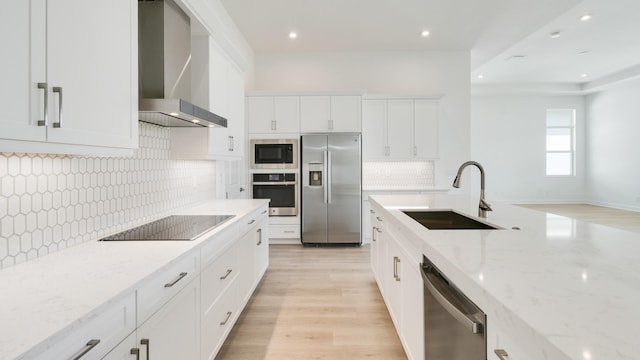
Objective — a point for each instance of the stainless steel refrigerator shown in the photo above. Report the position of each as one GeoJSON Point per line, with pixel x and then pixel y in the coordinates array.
{"type": "Point", "coordinates": [331, 188]}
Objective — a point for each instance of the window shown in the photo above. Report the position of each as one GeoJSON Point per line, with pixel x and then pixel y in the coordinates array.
{"type": "Point", "coordinates": [561, 142]}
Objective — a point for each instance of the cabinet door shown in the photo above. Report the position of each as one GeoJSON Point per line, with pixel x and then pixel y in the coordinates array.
{"type": "Point", "coordinates": [392, 279]}
{"type": "Point", "coordinates": [260, 114]}
{"type": "Point", "coordinates": [261, 249]}
{"type": "Point", "coordinates": [287, 114]}
{"type": "Point", "coordinates": [374, 129]}
{"type": "Point", "coordinates": [400, 128]}
{"type": "Point", "coordinates": [22, 67]}
{"type": "Point", "coordinates": [315, 113]}
{"type": "Point", "coordinates": [93, 61]}
{"type": "Point", "coordinates": [219, 143]}
{"type": "Point", "coordinates": [174, 331]}
{"type": "Point", "coordinates": [346, 114]}
{"type": "Point", "coordinates": [412, 332]}
{"type": "Point", "coordinates": [425, 134]}
{"type": "Point", "coordinates": [236, 125]}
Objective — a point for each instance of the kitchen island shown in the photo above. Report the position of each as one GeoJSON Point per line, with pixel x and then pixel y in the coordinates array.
{"type": "Point", "coordinates": [50, 300]}
{"type": "Point", "coordinates": [552, 287]}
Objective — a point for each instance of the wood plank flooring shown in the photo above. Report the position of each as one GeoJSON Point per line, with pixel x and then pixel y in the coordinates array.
{"type": "Point", "coordinates": [315, 303]}
{"type": "Point", "coordinates": [621, 219]}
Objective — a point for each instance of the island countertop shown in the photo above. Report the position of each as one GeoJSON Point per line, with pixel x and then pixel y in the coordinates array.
{"type": "Point", "coordinates": [568, 289]}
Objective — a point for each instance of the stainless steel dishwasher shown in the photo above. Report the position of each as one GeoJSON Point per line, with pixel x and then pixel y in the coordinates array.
{"type": "Point", "coordinates": [454, 327]}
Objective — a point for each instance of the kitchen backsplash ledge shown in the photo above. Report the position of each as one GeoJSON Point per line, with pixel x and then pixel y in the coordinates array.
{"type": "Point", "coordinates": [51, 202]}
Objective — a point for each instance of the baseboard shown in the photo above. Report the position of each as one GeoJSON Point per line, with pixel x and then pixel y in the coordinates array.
{"type": "Point", "coordinates": [614, 205]}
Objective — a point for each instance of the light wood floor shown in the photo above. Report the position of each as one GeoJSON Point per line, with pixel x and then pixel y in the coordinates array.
{"type": "Point", "coordinates": [622, 219]}
{"type": "Point", "coordinates": [315, 303]}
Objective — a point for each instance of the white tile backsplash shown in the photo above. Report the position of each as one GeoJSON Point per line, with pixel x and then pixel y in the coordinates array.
{"type": "Point", "coordinates": [51, 202]}
{"type": "Point", "coordinates": [398, 175]}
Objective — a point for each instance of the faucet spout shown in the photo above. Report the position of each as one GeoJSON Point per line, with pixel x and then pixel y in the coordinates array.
{"type": "Point", "coordinates": [483, 206]}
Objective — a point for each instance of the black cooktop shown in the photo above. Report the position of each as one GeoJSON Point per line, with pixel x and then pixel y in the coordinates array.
{"type": "Point", "coordinates": [175, 227]}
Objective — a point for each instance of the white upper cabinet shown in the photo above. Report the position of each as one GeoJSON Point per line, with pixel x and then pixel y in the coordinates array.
{"type": "Point", "coordinates": [400, 129]}
{"type": "Point", "coordinates": [273, 114]}
{"type": "Point", "coordinates": [330, 114]}
{"type": "Point", "coordinates": [69, 77]}
{"type": "Point", "coordinates": [218, 85]}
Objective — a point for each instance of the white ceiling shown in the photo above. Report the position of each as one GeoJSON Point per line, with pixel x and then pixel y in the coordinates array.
{"type": "Point", "coordinates": [492, 30]}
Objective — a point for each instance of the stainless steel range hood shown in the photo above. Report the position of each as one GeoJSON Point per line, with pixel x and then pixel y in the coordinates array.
{"type": "Point", "coordinates": [164, 56]}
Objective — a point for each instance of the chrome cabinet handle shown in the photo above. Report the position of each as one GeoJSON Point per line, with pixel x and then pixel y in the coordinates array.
{"type": "Point", "coordinates": [396, 260]}
{"type": "Point", "coordinates": [273, 125]}
{"type": "Point", "coordinates": [371, 211]}
{"type": "Point", "coordinates": [230, 143]}
{"type": "Point", "coordinates": [136, 352]}
{"type": "Point", "coordinates": [251, 222]}
{"type": "Point", "coordinates": [502, 354]}
{"type": "Point", "coordinates": [175, 281]}
{"type": "Point", "coordinates": [330, 124]}
{"type": "Point", "coordinates": [289, 231]}
{"type": "Point", "coordinates": [378, 218]}
{"type": "Point", "coordinates": [259, 231]}
{"type": "Point", "coordinates": [373, 234]}
{"type": "Point", "coordinates": [90, 345]}
{"type": "Point", "coordinates": [58, 89]}
{"type": "Point", "coordinates": [387, 151]}
{"type": "Point", "coordinates": [145, 342]}
{"type": "Point", "coordinates": [44, 122]}
{"type": "Point", "coordinates": [263, 212]}
{"type": "Point", "coordinates": [415, 151]}
{"type": "Point", "coordinates": [227, 318]}
{"type": "Point", "coordinates": [229, 271]}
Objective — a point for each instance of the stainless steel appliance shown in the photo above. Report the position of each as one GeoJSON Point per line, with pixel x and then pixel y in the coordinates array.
{"type": "Point", "coordinates": [454, 327]}
{"type": "Point", "coordinates": [274, 154]}
{"type": "Point", "coordinates": [331, 188]}
{"type": "Point", "coordinates": [164, 71]}
{"type": "Point", "coordinates": [281, 189]}
{"type": "Point", "coordinates": [175, 227]}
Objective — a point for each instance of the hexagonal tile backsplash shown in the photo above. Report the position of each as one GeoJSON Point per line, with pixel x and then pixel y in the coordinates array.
{"type": "Point", "coordinates": [51, 202]}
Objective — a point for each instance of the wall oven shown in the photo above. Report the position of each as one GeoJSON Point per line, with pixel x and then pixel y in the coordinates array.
{"type": "Point", "coordinates": [274, 154]}
{"type": "Point", "coordinates": [281, 189]}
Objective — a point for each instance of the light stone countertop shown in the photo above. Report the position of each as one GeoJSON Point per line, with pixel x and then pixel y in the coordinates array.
{"type": "Point", "coordinates": [563, 288]}
{"type": "Point", "coordinates": [48, 295]}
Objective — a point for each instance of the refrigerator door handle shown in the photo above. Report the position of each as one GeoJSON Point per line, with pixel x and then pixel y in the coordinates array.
{"type": "Point", "coordinates": [329, 177]}
{"type": "Point", "coordinates": [325, 176]}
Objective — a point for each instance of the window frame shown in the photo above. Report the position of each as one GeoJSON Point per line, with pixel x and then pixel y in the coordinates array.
{"type": "Point", "coordinates": [571, 151]}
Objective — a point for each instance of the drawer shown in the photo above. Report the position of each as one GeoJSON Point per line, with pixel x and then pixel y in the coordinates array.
{"type": "Point", "coordinates": [253, 219]}
{"type": "Point", "coordinates": [215, 278]}
{"type": "Point", "coordinates": [217, 324]}
{"type": "Point", "coordinates": [217, 244]}
{"type": "Point", "coordinates": [165, 284]}
{"type": "Point", "coordinates": [94, 334]}
{"type": "Point", "coordinates": [284, 231]}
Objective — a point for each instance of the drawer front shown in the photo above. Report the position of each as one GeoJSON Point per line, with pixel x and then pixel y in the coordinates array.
{"type": "Point", "coordinates": [94, 335]}
{"type": "Point", "coordinates": [217, 244]}
{"type": "Point", "coordinates": [253, 219]}
{"type": "Point", "coordinates": [162, 286]}
{"type": "Point", "coordinates": [217, 277]}
{"type": "Point", "coordinates": [284, 231]}
{"type": "Point", "coordinates": [218, 323]}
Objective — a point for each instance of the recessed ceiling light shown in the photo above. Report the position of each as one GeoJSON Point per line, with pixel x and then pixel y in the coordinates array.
{"type": "Point", "coordinates": [195, 121]}
{"type": "Point", "coordinates": [585, 17]}
{"type": "Point", "coordinates": [480, 76]}
{"type": "Point", "coordinates": [293, 35]}
{"type": "Point", "coordinates": [425, 33]}
{"type": "Point", "coordinates": [555, 34]}
{"type": "Point", "coordinates": [583, 75]}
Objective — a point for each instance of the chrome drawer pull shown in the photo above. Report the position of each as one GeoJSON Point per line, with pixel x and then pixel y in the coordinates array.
{"type": "Point", "coordinates": [229, 271]}
{"type": "Point", "coordinates": [90, 345]}
{"type": "Point", "coordinates": [378, 218]}
{"type": "Point", "coordinates": [502, 354]}
{"type": "Point", "coordinates": [264, 212]}
{"type": "Point", "coordinates": [227, 319]}
{"type": "Point", "coordinates": [251, 222]}
{"type": "Point", "coordinates": [136, 352]}
{"type": "Point", "coordinates": [180, 277]}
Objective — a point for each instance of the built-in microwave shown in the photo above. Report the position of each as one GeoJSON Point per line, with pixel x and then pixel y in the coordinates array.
{"type": "Point", "coordinates": [274, 154]}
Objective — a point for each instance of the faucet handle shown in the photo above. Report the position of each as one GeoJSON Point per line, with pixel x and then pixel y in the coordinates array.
{"type": "Point", "coordinates": [485, 205]}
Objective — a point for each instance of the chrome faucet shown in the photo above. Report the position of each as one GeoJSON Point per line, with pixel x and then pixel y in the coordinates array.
{"type": "Point", "coordinates": [484, 206]}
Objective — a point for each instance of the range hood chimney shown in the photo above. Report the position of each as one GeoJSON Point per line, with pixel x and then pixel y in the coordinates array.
{"type": "Point", "coordinates": [164, 56]}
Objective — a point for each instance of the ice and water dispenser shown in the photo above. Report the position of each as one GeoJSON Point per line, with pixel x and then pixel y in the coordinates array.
{"type": "Point", "coordinates": [315, 174]}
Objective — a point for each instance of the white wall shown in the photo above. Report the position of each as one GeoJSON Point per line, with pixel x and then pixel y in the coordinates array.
{"type": "Point", "coordinates": [508, 139]}
{"type": "Point", "coordinates": [613, 129]}
{"type": "Point", "coordinates": [415, 72]}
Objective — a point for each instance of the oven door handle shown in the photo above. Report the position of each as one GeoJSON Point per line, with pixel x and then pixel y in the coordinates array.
{"type": "Point", "coordinates": [449, 300]}
{"type": "Point", "coordinates": [283, 183]}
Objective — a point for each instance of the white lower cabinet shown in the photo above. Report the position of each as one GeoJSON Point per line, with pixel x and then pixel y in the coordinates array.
{"type": "Point", "coordinates": [398, 276]}
{"type": "Point", "coordinates": [499, 338]}
{"type": "Point", "coordinates": [174, 331]}
{"type": "Point", "coordinates": [126, 350]}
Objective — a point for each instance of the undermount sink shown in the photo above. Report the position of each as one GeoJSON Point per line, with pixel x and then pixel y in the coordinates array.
{"type": "Point", "coordinates": [447, 220]}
